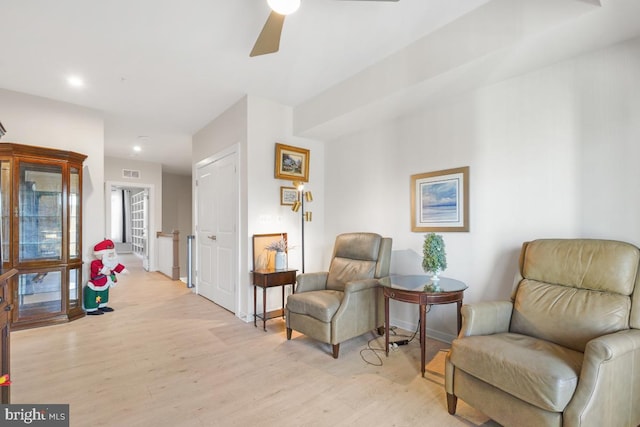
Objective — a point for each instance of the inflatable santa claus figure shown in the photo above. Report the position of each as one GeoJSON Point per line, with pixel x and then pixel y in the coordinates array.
{"type": "Point", "coordinates": [103, 276]}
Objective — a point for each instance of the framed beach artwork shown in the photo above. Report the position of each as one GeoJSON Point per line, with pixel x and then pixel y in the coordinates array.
{"type": "Point", "coordinates": [440, 200]}
{"type": "Point", "coordinates": [292, 163]}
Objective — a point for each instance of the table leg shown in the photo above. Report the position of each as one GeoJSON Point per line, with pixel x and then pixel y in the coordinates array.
{"type": "Point", "coordinates": [423, 340]}
{"type": "Point", "coordinates": [264, 309]}
{"type": "Point", "coordinates": [255, 311]}
{"type": "Point", "coordinates": [386, 325]}
{"type": "Point", "coordinates": [459, 316]}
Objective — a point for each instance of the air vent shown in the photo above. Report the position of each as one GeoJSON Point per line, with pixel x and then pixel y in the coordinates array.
{"type": "Point", "coordinates": [129, 173]}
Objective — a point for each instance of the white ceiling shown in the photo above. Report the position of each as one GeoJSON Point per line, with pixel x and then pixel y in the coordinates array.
{"type": "Point", "coordinates": [163, 69]}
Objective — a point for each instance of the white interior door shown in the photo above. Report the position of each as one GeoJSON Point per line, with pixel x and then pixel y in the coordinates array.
{"type": "Point", "coordinates": [216, 231]}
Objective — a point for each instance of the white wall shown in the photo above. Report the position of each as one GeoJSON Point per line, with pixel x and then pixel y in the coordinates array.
{"type": "Point", "coordinates": [150, 177]}
{"type": "Point", "coordinates": [225, 132]}
{"type": "Point", "coordinates": [270, 122]}
{"type": "Point", "coordinates": [552, 153]}
{"type": "Point", "coordinates": [32, 120]}
{"type": "Point", "coordinates": [255, 125]}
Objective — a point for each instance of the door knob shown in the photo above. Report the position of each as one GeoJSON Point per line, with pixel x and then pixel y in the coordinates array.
{"type": "Point", "coordinates": [213, 237]}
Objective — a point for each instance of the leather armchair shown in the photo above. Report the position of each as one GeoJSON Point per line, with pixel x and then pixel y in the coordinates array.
{"type": "Point", "coordinates": [565, 351]}
{"type": "Point", "coordinates": [347, 300]}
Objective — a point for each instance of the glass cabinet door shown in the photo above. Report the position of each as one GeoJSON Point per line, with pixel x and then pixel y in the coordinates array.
{"type": "Point", "coordinates": [5, 208]}
{"type": "Point", "coordinates": [39, 293]}
{"type": "Point", "coordinates": [74, 213]}
{"type": "Point", "coordinates": [75, 237]}
{"type": "Point", "coordinates": [40, 212]}
{"type": "Point", "coordinates": [74, 288]}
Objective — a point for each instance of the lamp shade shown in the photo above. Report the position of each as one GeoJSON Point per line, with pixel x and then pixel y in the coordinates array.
{"type": "Point", "coordinates": [284, 7]}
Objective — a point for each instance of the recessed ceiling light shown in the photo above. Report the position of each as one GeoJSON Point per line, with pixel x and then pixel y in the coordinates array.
{"type": "Point", "coordinates": [137, 148]}
{"type": "Point", "coordinates": [284, 7]}
{"type": "Point", "coordinates": [75, 81]}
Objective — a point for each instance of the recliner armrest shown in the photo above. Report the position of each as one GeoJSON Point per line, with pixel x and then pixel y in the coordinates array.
{"type": "Point", "coordinates": [358, 285]}
{"type": "Point", "coordinates": [609, 347]}
{"type": "Point", "coordinates": [307, 282]}
{"type": "Point", "coordinates": [486, 318]}
{"type": "Point", "coordinates": [607, 381]}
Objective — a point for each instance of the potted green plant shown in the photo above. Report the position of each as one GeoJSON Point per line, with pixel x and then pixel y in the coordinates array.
{"type": "Point", "coordinates": [434, 257]}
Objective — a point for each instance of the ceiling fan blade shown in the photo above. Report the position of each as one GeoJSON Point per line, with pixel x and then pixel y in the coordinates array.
{"type": "Point", "coordinates": [269, 39]}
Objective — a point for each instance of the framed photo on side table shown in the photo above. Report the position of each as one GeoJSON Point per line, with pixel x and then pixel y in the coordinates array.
{"type": "Point", "coordinates": [292, 163]}
{"type": "Point", "coordinates": [264, 259]}
{"type": "Point", "coordinates": [440, 200]}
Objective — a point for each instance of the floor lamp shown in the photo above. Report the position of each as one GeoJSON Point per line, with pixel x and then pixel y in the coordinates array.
{"type": "Point", "coordinates": [298, 206]}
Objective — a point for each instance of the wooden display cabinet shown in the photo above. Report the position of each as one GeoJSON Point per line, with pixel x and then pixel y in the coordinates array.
{"type": "Point", "coordinates": [41, 205]}
{"type": "Point", "coordinates": [5, 347]}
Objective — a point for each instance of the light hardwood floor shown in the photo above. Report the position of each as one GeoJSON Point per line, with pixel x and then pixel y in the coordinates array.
{"type": "Point", "coordinates": [168, 357]}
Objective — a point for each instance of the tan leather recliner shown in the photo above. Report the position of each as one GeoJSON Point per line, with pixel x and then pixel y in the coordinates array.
{"type": "Point", "coordinates": [346, 301]}
{"type": "Point", "coordinates": [566, 350]}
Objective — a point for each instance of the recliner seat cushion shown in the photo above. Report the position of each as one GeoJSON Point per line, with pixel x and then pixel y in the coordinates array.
{"type": "Point", "coordinates": [536, 371]}
{"type": "Point", "coordinates": [321, 305]}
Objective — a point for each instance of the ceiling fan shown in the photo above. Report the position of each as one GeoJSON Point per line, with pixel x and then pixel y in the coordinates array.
{"type": "Point", "coordinates": [269, 39]}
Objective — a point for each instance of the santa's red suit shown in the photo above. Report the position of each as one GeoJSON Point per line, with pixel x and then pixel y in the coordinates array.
{"type": "Point", "coordinates": [103, 276]}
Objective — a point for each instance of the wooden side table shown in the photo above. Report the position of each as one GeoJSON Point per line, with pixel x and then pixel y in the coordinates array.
{"type": "Point", "coordinates": [411, 289]}
{"type": "Point", "coordinates": [267, 279]}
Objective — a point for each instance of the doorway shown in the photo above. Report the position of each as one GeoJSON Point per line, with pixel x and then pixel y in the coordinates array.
{"type": "Point", "coordinates": [216, 229]}
{"type": "Point", "coordinates": [129, 220]}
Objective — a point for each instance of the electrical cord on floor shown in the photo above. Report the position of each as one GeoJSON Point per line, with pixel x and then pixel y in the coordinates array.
{"type": "Point", "coordinates": [374, 351]}
{"type": "Point", "coordinates": [418, 328]}
{"type": "Point", "coordinates": [392, 331]}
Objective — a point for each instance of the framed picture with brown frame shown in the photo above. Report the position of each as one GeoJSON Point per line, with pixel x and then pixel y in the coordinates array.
{"type": "Point", "coordinates": [292, 163]}
{"type": "Point", "coordinates": [263, 258]}
{"type": "Point", "coordinates": [440, 200]}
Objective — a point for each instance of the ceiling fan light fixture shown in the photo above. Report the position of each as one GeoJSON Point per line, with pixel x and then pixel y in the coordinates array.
{"type": "Point", "coordinates": [284, 7]}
